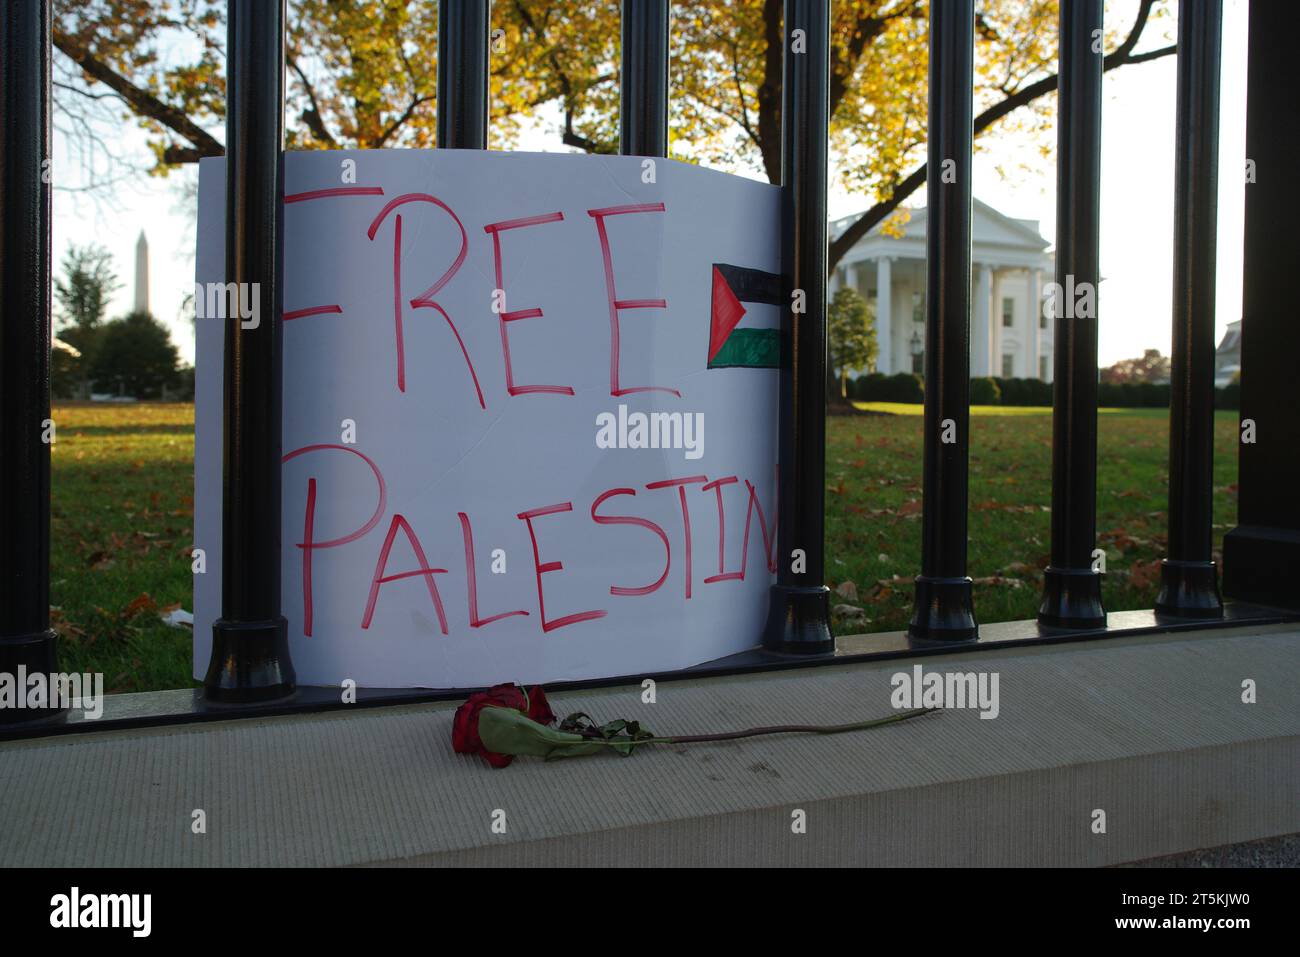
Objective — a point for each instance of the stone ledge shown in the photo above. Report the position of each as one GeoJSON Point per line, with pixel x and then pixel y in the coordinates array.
{"type": "Point", "coordinates": [1152, 730]}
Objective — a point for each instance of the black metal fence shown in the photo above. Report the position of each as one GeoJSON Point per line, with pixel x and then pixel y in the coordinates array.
{"type": "Point", "coordinates": [250, 661]}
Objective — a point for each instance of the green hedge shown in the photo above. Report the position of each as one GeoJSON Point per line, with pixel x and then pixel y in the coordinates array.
{"type": "Point", "coordinates": [1024, 391]}
{"type": "Point", "coordinates": [1130, 395]}
{"type": "Point", "coordinates": [900, 387]}
{"type": "Point", "coordinates": [909, 387]}
{"type": "Point", "coordinates": [1229, 397]}
{"type": "Point", "coordinates": [985, 392]}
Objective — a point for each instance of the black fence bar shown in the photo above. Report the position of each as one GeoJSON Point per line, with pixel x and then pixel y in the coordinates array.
{"type": "Point", "coordinates": [1261, 556]}
{"type": "Point", "coordinates": [462, 74]}
{"type": "Point", "coordinates": [943, 607]}
{"type": "Point", "coordinates": [1189, 586]}
{"type": "Point", "coordinates": [1071, 583]}
{"type": "Point", "coordinates": [799, 615]}
{"type": "Point", "coordinates": [26, 640]}
{"type": "Point", "coordinates": [250, 648]}
{"type": "Point", "coordinates": [643, 98]}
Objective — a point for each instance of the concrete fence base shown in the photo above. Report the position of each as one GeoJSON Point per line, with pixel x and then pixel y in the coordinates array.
{"type": "Point", "coordinates": [1150, 732]}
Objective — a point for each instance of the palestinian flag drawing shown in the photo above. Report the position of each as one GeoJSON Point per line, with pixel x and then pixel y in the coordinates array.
{"type": "Point", "coordinates": [735, 348]}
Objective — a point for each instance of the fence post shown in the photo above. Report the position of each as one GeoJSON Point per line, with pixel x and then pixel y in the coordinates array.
{"type": "Point", "coordinates": [643, 95]}
{"type": "Point", "coordinates": [943, 608]}
{"type": "Point", "coordinates": [1261, 556]}
{"type": "Point", "coordinates": [1071, 586]}
{"type": "Point", "coordinates": [462, 74]}
{"type": "Point", "coordinates": [26, 640]}
{"type": "Point", "coordinates": [799, 614]}
{"type": "Point", "coordinates": [250, 647]}
{"type": "Point", "coordinates": [1189, 586]}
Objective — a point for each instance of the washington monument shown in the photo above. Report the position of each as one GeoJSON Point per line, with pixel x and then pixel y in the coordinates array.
{"type": "Point", "coordinates": [141, 274]}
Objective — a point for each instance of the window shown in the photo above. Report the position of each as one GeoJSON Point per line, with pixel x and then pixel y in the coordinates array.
{"type": "Point", "coordinates": [1042, 320]}
{"type": "Point", "coordinates": [918, 307]}
{"type": "Point", "coordinates": [918, 364]}
{"type": "Point", "coordinates": [1008, 366]}
{"type": "Point", "coordinates": [1008, 312]}
{"type": "Point", "coordinates": [1042, 368]}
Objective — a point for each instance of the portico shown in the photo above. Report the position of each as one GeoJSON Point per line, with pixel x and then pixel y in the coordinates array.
{"type": "Point", "coordinates": [1011, 264]}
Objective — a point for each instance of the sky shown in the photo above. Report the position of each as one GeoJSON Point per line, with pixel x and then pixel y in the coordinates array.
{"type": "Point", "coordinates": [1134, 301]}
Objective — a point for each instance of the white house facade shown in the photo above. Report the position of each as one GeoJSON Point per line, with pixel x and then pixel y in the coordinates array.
{"type": "Point", "coordinates": [1227, 357]}
{"type": "Point", "coordinates": [1010, 266]}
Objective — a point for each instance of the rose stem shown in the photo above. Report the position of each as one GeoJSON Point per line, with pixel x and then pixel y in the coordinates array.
{"type": "Point", "coordinates": [799, 728]}
{"type": "Point", "coordinates": [775, 729]}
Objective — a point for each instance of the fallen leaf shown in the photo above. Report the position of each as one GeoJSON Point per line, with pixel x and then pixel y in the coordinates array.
{"type": "Point", "coordinates": [140, 603]}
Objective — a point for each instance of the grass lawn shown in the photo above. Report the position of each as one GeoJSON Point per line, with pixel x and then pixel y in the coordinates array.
{"type": "Point", "coordinates": [909, 408]}
{"type": "Point", "coordinates": [121, 526]}
{"type": "Point", "coordinates": [122, 521]}
{"type": "Point", "coordinates": [873, 508]}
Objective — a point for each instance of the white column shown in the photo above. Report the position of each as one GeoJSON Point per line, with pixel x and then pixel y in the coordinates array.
{"type": "Point", "coordinates": [995, 311]}
{"type": "Point", "coordinates": [1036, 320]}
{"type": "Point", "coordinates": [981, 336]}
{"type": "Point", "coordinates": [884, 315]}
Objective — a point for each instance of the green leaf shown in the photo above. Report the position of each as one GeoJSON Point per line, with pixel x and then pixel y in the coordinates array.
{"type": "Point", "coordinates": [507, 731]}
{"type": "Point", "coordinates": [577, 722]}
{"type": "Point", "coordinates": [577, 750]}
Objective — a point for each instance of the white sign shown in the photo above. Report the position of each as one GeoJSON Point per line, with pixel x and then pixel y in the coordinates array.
{"type": "Point", "coordinates": [530, 417]}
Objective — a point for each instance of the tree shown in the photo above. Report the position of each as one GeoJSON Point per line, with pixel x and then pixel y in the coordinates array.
{"type": "Point", "coordinates": [1150, 367]}
{"type": "Point", "coordinates": [135, 357]}
{"type": "Point", "coordinates": [81, 298]}
{"type": "Point", "coordinates": [81, 295]}
{"type": "Point", "coordinates": [851, 332]}
{"type": "Point", "coordinates": [362, 74]}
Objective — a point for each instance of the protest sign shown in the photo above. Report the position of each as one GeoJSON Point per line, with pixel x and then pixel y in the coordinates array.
{"type": "Point", "coordinates": [530, 414]}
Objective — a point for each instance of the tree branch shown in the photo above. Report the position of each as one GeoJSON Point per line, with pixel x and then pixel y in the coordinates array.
{"type": "Point", "coordinates": [141, 101]}
{"type": "Point", "coordinates": [570, 138]}
{"type": "Point", "coordinates": [867, 28]}
{"type": "Point", "coordinates": [312, 117]}
{"type": "Point", "coordinates": [400, 121]}
{"type": "Point", "coordinates": [1152, 54]}
{"type": "Point", "coordinates": [1121, 56]}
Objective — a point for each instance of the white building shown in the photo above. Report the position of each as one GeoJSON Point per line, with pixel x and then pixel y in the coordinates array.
{"type": "Point", "coordinates": [1010, 265]}
{"type": "Point", "coordinates": [1227, 357]}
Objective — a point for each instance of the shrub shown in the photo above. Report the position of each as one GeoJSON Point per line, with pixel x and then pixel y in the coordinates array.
{"type": "Point", "coordinates": [1025, 392]}
{"type": "Point", "coordinates": [1154, 395]}
{"type": "Point", "coordinates": [134, 356]}
{"type": "Point", "coordinates": [899, 387]}
{"type": "Point", "coordinates": [985, 392]}
{"type": "Point", "coordinates": [1133, 395]}
{"type": "Point", "coordinates": [905, 387]}
{"type": "Point", "coordinates": [869, 388]}
{"type": "Point", "coordinates": [1046, 392]}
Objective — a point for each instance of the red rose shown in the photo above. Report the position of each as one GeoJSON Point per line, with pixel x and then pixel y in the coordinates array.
{"type": "Point", "coordinates": [464, 728]}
